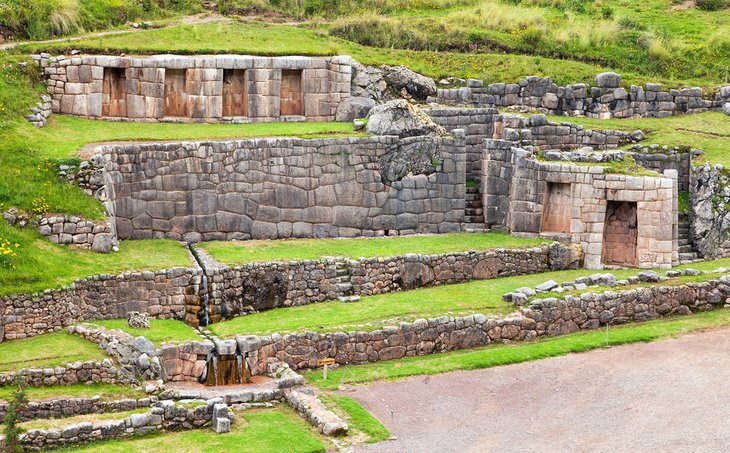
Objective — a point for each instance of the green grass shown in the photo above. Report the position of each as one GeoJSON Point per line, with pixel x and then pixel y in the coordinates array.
{"type": "Point", "coordinates": [107, 392]}
{"type": "Point", "coordinates": [160, 331]}
{"type": "Point", "coordinates": [47, 351]}
{"type": "Point", "coordinates": [64, 136]}
{"type": "Point", "coordinates": [59, 423]}
{"type": "Point", "coordinates": [41, 265]}
{"type": "Point", "coordinates": [358, 419]}
{"type": "Point", "coordinates": [497, 355]}
{"type": "Point", "coordinates": [233, 253]}
{"type": "Point", "coordinates": [708, 131]}
{"type": "Point", "coordinates": [271, 431]}
{"type": "Point", "coordinates": [481, 296]}
{"type": "Point", "coordinates": [252, 37]}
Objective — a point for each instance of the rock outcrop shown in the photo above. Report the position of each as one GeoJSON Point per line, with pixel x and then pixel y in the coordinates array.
{"type": "Point", "coordinates": [401, 118]}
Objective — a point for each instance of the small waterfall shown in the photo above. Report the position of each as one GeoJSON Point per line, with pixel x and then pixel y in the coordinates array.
{"type": "Point", "coordinates": [215, 369]}
{"type": "Point", "coordinates": [239, 367]}
{"type": "Point", "coordinates": [205, 320]}
{"type": "Point", "coordinates": [225, 370]}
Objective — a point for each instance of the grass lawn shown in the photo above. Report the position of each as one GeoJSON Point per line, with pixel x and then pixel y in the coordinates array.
{"type": "Point", "coordinates": [273, 431]}
{"type": "Point", "coordinates": [64, 135]}
{"type": "Point", "coordinates": [160, 331]}
{"type": "Point", "coordinates": [250, 37]}
{"type": "Point", "coordinates": [47, 351]}
{"type": "Point", "coordinates": [359, 420]}
{"type": "Point", "coordinates": [497, 355]}
{"type": "Point", "coordinates": [709, 131]}
{"type": "Point", "coordinates": [481, 296]}
{"type": "Point", "coordinates": [233, 253]}
{"type": "Point", "coordinates": [107, 392]}
{"type": "Point", "coordinates": [41, 265]}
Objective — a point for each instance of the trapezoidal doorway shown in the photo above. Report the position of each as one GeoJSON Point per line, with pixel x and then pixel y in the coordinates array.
{"type": "Point", "coordinates": [292, 92]}
{"type": "Point", "coordinates": [557, 209]}
{"type": "Point", "coordinates": [235, 92]}
{"type": "Point", "coordinates": [176, 97]}
{"type": "Point", "coordinates": [114, 93]}
{"type": "Point", "coordinates": [620, 233]}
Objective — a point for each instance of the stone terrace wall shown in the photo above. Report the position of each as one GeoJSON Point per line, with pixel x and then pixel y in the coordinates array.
{"type": "Point", "coordinates": [541, 318]}
{"type": "Point", "coordinates": [284, 187]}
{"type": "Point", "coordinates": [262, 286]}
{"type": "Point", "coordinates": [64, 229]}
{"type": "Point", "coordinates": [660, 158]}
{"type": "Point", "coordinates": [606, 100]}
{"type": "Point", "coordinates": [71, 407]}
{"type": "Point", "coordinates": [167, 416]}
{"type": "Point", "coordinates": [77, 86]}
{"type": "Point", "coordinates": [104, 372]}
{"type": "Point", "coordinates": [477, 123]}
{"type": "Point", "coordinates": [162, 294]}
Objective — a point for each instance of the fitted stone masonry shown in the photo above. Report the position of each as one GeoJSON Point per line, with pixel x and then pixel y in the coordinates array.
{"type": "Point", "coordinates": [284, 187]}
{"type": "Point", "coordinates": [218, 88]}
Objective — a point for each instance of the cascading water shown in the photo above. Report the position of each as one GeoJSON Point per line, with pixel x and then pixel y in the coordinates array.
{"type": "Point", "coordinates": [205, 319]}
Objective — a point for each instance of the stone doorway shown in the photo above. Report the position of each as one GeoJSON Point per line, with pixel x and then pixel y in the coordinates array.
{"type": "Point", "coordinates": [557, 209]}
{"type": "Point", "coordinates": [620, 233]}
{"type": "Point", "coordinates": [292, 92]}
{"type": "Point", "coordinates": [176, 98]}
{"type": "Point", "coordinates": [235, 92]}
{"type": "Point", "coordinates": [114, 92]}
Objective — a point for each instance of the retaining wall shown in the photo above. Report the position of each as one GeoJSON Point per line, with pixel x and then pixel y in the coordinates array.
{"type": "Point", "coordinates": [286, 187]}
{"type": "Point", "coordinates": [544, 317]}
{"type": "Point", "coordinates": [104, 372]}
{"type": "Point", "coordinates": [71, 406]}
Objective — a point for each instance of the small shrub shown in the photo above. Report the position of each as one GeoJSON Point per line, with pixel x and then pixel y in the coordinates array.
{"type": "Point", "coordinates": [12, 416]}
{"type": "Point", "coordinates": [532, 36]}
{"type": "Point", "coordinates": [8, 253]}
{"type": "Point", "coordinates": [629, 23]}
{"type": "Point", "coordinates": [40, 206]}
{"type": "Point", "coordinates": [712, 5]}
{"type": "Point", "coordinates": [607, 13]}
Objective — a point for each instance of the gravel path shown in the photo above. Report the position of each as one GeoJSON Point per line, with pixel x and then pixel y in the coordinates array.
{"type": "Point", "coordinates": [667, 396]}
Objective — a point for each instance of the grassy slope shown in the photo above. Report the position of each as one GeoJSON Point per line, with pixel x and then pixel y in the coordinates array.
{"type": "Point", "coordinates": [41, 265]}
{"type": "Point", "coordinates": [233, 253]}
{"type": "Point", "coordinates": [709, 131]}
{"type": "Point", "coordinates": [49, 350]}
{"type": "Point", "coordinates": [107, 392]}
{"type": "Point", "coordinates": [160, 331]}
{"type": "Point", "coordinates": [268, 39]}
{"type": "Point", "coordinates": [482, 296]}
{"type": "Point", "coordinates": [506, 354]}
{"type": "Point", "coordinates": [358, 419]}
{"type": "Point", "coordinates": [271, 431]}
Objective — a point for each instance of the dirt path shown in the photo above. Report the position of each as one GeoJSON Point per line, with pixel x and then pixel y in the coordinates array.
{"type": "Point", "coordinates": [197, 19]}
{"type": "Point", "coordinates": [666, 396]}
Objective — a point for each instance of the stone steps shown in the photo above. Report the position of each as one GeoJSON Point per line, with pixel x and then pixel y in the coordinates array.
{"type": "Point", "coordinates": [475, 227]}
{"type": "Point", "coordinates": [473, 209]}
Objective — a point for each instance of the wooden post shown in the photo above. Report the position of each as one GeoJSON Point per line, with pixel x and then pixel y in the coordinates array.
{"type": "Point", "coordinates": [325, 363]}
{"type": "Point", "coordinates": [325, 372]}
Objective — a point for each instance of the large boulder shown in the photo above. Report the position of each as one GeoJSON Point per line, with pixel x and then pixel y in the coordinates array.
{"type": "Point", "coordinates": [726, 108]}
{"type": "Point", "coordinates": [354, 107]}
{"type": "Point", "coordinates": [103, 243]}
{"type": "Point", "coordinates": [608, 80]}
{"type": "Point", "coordinates": [413, 84]}
{"type": "Point", "coordinates": [400, 118]}
{"type": "Point", "coordinates": [368, 82]}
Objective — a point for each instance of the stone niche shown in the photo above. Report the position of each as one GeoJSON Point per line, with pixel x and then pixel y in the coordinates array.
{"type": "Point", "coordinates": [221, 88]}
{"type": "Point", "coordinates": [617, 219]}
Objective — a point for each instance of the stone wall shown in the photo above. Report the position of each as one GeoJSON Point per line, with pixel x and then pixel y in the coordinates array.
{"type": "Point", "coordinates": [73, 406]}
{"type": "Point", "coordinates": [96, 372]}
{"type": "Point", "coordinates": [167, 416]}
{"type": "Point", "coordinates": [143, 89]}
{"type": "Point", "coordinates": [660, 158]}
{"type": "Point", "coordinates": [162, 294]}
{"type": "Point", "coordinates": [261, 286]}
{"type": "Point", "coordinates": [89, 234]}
{"type": "Point", "coordinates": [40, 113]}
{"type": "Point", "coordinates": [478, 124]}
{"type": "Point", "coordinates": [517, 191]}
{"type": "Point", "coordinates": [285, 187]}
{"type": "Point", "coordinates": [605, 100]}
{"type": "Point", "coordinates": [541, 318]}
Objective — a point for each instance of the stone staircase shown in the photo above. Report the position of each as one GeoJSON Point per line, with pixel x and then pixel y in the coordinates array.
{"type": "Point", "coordinates": [474, 211]}
{"type": "Point", "coordinates": [343, 280]}
{"type": "Point", "coordinates": [686, 253]}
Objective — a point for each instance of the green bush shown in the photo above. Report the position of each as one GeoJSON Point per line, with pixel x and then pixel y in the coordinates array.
{"type": "Point", "coordinates": [712, 5]}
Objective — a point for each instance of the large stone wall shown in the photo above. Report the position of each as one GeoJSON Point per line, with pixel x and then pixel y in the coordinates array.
{"type": "Point", "coordinates": [541, 318]}
{"type": "Point", "coordinates": [516, 194]}
{"type": "Point", "coordinates": [605, 100]}
{"type": "Point", "coordinates": [162, 294]}
{"type": "Point", "coordinates": [285, 187]}
{"type": "Point", "coordinates": [68, 406]}
{"type": "Point", "coordinates": [261, 286]}
{"type": "Point", "coordinates": [88, 372]}
{"type": "Point", "coordinates": [79, 87]}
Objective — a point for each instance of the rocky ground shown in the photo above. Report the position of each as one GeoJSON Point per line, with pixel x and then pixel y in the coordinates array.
{"type": "Point", "coordinates": [645, 397]}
